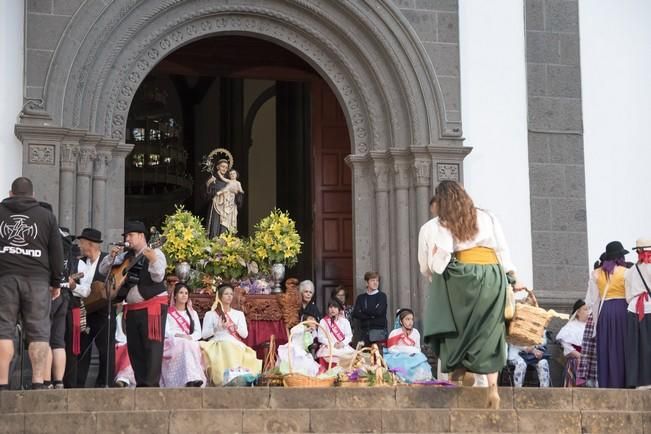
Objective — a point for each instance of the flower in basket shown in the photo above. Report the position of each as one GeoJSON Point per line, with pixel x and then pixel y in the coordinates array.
{"type": "Point", "coordinates": [228, 257]}
{"type": "Point", "coordinates": [186, 238]}
{"type": "Point", "coordinates": [276, 240]}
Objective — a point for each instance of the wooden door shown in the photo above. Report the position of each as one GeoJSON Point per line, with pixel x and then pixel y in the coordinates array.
{"type": "Point", "coordinates": [333, 216]}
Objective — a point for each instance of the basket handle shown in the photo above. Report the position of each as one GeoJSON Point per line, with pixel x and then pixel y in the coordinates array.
{"type": "Point", "coordinates": [330, 345]}
{"type": "Point", "coordinates": [359, 350]}
{"type": "Point", "coordinates": [270, 359]}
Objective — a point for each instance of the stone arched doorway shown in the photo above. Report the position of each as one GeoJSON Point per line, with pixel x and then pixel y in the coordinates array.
{"type": "Point", "coordinates": [401, 140]}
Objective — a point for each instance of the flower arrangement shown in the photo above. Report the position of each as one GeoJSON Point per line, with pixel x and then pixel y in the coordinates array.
{"type": "Point", "coordinates": [276, 240]}
{"type": "Point", "coordinates": [186, 238]}
{"type": "Point", "coordinates": [229, 257]}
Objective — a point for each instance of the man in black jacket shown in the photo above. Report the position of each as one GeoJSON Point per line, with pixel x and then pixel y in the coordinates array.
{"type": "Point", "coordinates": [371, 311]}
{"type": "Point", "coordinates": [31, 262]}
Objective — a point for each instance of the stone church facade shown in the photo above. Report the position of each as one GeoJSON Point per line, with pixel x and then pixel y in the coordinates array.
{"type": "Point", "coordinates": [394, 67]}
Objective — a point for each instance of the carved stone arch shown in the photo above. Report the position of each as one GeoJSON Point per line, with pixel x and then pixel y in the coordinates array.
{"type": "Point", "coordinates": [365, 51]}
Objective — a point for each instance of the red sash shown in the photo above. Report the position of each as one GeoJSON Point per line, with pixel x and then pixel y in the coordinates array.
{"type": "Point", "coordinates": [401, 338]}
{"type": "Point", "coordinates": [153, 307]}
{"type": "Point", "coordinates": [180, 320]}
{"type": "Point", "coordinates": [334, 328]}
{"type": "Point", "coordinates": [230, 326]}
{"type": "Point", "coordinates": [76, 331]}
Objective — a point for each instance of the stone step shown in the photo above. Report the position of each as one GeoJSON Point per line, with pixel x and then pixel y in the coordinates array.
{"type": "Point", "coordinates": [390, 409]}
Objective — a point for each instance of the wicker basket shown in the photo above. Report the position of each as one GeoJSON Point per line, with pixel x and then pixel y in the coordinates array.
{"type": "Point", "coordinates": [528, 324]}
{"type": "Point", "coordinates": [344, 381]}
{"type": "Point", "coordinates": [300, 380]}
{"type": "Point", "coordinates": [268, 377]}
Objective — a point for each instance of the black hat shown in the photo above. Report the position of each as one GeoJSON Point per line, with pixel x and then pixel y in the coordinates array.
{"type": "Point", "coordinates": [614, 250]}
{"type": "Point", "coordinates": [91, 234]}
{"type": "Point", "coordinates": [134, 226]}
{"type": "Point", "coordinates": [577, 305]}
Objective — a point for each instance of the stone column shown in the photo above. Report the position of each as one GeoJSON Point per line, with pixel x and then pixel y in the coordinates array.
{"type": "Point", "coordinates": [114, 210]}
{"type": "Point", "coordinates": [382, 170]}
{"type": "Point", "coordinates": [363, 212]}
{"type": "Point", "coordinates": [422, 164]}
{"type": "Point", "coordinates": [84, 173]}
{"type": "Point", "coordinates": [402, 175]}
{"type": "Point", "coordinates": [69, 153]}
{"type": "Point", "coordinates": [99, 190]}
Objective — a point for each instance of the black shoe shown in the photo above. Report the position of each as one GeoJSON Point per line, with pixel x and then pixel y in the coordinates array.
{"type": "Point", "coordinates": [196, 383]}
{"type": "Point", "coordinates": [121, 383]}
{"type": "Point", "coordinates": [38, 386]}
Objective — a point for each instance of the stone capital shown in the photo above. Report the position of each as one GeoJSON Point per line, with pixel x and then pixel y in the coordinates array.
{"type": "Point", "coordinates": [87, 155]}
{"type": "Point", "coordinates": [422, 171]}
{"type": "Point", "coordinates": [102, 160]}
{"type": "Point", "coordinates": [402, 173]}
{"type": "Point", "coordinates": [68, 156]}
{"type": "Point", "coordinates": [382, 171]}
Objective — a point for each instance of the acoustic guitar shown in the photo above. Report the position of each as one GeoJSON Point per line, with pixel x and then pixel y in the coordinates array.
{"type": "Point", "coordinates": [99, 293]}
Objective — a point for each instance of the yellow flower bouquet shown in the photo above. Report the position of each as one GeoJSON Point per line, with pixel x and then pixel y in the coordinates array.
{"type": "Point", "coordinates": [186, 238]}
{"type": "Point", "coordinates": [276, 240]}
{"type": "Point", "coordinates": [228, 257]}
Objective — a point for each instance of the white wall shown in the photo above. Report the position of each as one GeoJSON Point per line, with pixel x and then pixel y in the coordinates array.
{"type": "Point", "coordinates": [494, 115]}
{"type": "Point", "coordinates": [11, 90]}
{"type": "Point", "coordinates": [615, 70]}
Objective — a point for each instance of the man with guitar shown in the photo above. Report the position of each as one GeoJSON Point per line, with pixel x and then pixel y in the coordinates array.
{"type": "Point", "coordinates": [138, 274]}
{"type": "Point", "coordinates": [81, 341]}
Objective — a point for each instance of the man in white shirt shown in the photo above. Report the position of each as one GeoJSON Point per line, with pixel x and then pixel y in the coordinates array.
{"type": "Point", "coordinates": [90, 244]}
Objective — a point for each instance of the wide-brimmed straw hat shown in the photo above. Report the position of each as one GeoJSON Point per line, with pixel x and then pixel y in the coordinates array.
{"type": "Point", "coordinates": [642, 243]}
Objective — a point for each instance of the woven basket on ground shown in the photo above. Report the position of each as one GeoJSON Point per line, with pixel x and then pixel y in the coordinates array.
{"type": "Point", "coordinates": [528, 324]}
{"type": "Point", "coordinates": [361, 360]}
{"type": "Point", "coordinates": [299, 380]}
{"type": "Point", "coordinates": [269, 375]}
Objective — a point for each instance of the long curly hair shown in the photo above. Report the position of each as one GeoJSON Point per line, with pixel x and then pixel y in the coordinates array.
{"type": "Point", "coordinates": [456, 211]}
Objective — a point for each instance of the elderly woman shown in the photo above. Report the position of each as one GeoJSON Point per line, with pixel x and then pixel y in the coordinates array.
{"type": "Point", "coordinates": [182, 364]}
{"type": "Point", "coordinates": [638, 339]}
{"type": "Point", "coordinates": [308, 295]}
{"type": "Point", "coordinates": [226, 330]}
{"type": "Point", "coordinates": [464, 253]}
{"type": "Point", "coordinates": [571, 338]}
{"type": "Point", "coordinates": [606, 296]}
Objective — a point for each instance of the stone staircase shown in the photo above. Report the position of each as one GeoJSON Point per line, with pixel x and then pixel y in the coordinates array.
{"type": "Point", "coordinates": [401, 409]}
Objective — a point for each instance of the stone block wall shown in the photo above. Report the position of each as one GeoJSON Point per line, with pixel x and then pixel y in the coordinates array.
{"type": "Point", "coordinates": [556, 164]}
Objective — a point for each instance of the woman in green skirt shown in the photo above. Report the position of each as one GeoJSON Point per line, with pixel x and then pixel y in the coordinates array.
{"type": "Point", "coordinates": [464, 254]}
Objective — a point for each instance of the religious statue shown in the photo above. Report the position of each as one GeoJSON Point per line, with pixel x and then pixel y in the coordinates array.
{"type": "Point", "coordinates": [226, 193]}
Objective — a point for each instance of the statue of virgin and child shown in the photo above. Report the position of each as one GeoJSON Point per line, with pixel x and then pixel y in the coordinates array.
{"type": "Point", "coordinates": [226, 194]}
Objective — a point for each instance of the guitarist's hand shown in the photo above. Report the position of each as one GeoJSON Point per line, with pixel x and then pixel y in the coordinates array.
{"type": "Point", "coordinates": [150, 254]}
{"type": "Point", "coordinates": [72, 284]}
{"type": "Point", "coordinates": [115, 251]}
{"type": "Point", "coordinates": [56, 292]}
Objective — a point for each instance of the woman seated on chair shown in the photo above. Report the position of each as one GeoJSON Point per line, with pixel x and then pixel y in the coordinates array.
{"type": "Point", "coordinates": [182, 364]}
{"type": "Point", "coordinates": [226, 330]}
{"type": "Point", "coordinates": [571, 337]}
{"type": "Point", "coordinates": [340, 332]}
{"type": "Point", "coordinates": [302, 341]}
{"type": "Point", "coordinates": [403, 355]}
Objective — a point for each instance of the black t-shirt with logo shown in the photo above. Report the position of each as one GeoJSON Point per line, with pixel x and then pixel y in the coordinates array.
{"type": "Point", "coordinates": [30, 243]}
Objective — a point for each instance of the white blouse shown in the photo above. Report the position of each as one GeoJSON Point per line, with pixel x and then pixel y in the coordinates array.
{"type": "Point", "coordinates": [215, 329]}
{"type": "Point", "coordinates": [402, 347]}
{"type": "Point", "coordinates": [571, 334]}
{"type": "Point", "coordinates": [432, 234]}
{"type": "Point", "coordinates": [343, 325]}
{"type": "Point", "coordinates": [172, 328]}
{"type": "Point", "coordinates": [634, 286]}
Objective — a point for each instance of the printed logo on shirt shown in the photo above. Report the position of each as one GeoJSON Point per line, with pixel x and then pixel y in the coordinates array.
{"type": "Point", "coordinates": [18, 231]}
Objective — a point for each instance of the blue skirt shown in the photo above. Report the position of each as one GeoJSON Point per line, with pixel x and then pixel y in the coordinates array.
{"type": "Point", "coordinates": [611, 342]}
{"type": "Point", "coordinates": [410, 368]}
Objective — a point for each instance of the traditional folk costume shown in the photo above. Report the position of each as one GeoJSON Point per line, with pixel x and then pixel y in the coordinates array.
{"type": "Point", "coordinates": [606, 295]}
{"type": "Point", "coordinates": [464, 317]}
{"type": "Point", "coordinates": [123, 370]}
{"type": "Point", "coordinates": [638, 339]}
{"type": "Point", "coordinates": [182, 362]}
{"type": "Point", "coordinates": [226, 348]}
{"type": "Point", "coordinates": [404, 357]}
{"type": "Point", "coordinates": [302, 361]}
{"type": "Point", "coordinates": [571, 338]}
{"type": "Point", "coordinates": [520, 359]}
{"type": "Point", "coordinates": [586, 374]}
{"type": "Point", "coordinates": [340, 331]}
{"type": "Point", "coordinates": [145, 311]}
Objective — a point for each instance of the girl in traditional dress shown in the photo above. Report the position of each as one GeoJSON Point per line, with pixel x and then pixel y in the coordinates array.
{"type": "Point", "coordinates": [340, 332]}
{"type": "Point", "coordinates": [606, 296]}
{"type": "Point", "coordinates": [302, 339]}
{"type": "Point", "coordinates": [403, 355]}
{"type": "Point", "coordinates": [464, 253]}
{"type": "Point", "coordinates": [571, 338]}
{"type": "Point", "coordinates": [638, 340]}
{"type": "Point", "coordinates": [226, 328]}
{"type": "Point", "coordinates": [182, 363]}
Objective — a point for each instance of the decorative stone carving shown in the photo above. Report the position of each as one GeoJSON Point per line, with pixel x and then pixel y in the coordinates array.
{"type": "Point", "coordinates": [41, 154]}
{"type": "Point", "coordinates": [85, 163]}
{"type": "Point", "coordinates": [447, 172]}
{"type": "Point", "coordinates": [422, 172]}
{"type": "Point", "coordinates": [402, 174]}
{"type": "Point", "coordinates": [102, 161]}
{"type": "Point", "coordinates": [382, 172]}
{"type": "Point", "coordinates": [69, 154]}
